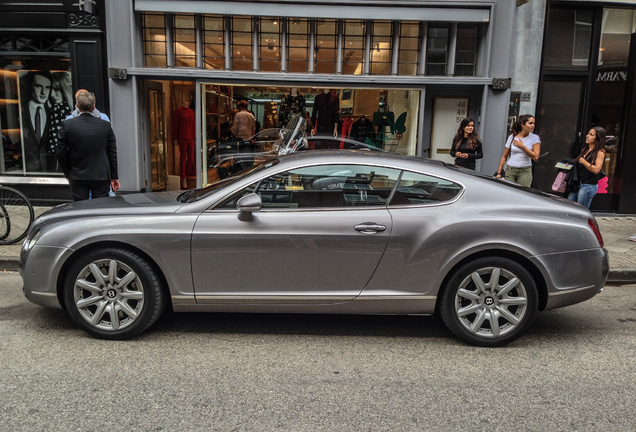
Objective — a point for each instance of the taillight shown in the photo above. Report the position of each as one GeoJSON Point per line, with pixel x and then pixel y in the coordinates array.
{"type": "Point", "coordinates": [597, 232]}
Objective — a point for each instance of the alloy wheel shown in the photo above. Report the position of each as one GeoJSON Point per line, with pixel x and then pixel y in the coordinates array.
{"type": "Point", "coordinates": [491, 302]}
{"type": "Point", "coordinates": [108, 294]}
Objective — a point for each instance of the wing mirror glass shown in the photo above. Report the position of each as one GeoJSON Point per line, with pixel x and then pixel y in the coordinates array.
{"type": "Point", "coordinates": [247, 205]}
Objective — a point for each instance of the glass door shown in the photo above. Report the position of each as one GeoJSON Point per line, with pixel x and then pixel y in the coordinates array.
{"type": "Point", "coordinates": [157, 135]}
{"type": "Point", "coordinates": [559, 126]}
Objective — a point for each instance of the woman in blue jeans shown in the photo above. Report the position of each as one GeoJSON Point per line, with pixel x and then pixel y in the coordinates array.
{"type": "Point", "coordinates": [589, 163]}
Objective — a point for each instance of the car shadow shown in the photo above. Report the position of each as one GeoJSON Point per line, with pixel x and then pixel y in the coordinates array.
{"type": "Point", "coordinates": [301, 324]}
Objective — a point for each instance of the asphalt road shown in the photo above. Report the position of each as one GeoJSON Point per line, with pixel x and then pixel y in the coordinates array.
{"type": "Point", "coordinates": [574, 370]}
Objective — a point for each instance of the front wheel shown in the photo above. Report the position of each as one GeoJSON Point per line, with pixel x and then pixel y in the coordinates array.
{"type": "Point", "coordinates": [489, 302]}
{"type": "Point", "coordinates": [113, 294]}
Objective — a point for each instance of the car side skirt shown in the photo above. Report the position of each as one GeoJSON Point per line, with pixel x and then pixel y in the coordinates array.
{"type": "Point", "coordinates": [367, 305]}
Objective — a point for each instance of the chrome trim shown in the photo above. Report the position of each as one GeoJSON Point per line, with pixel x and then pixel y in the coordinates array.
{"type": "Point", "coordinates": [383, 297]}
{"type": "Point", "coordinates": [44, 294]}
{"type": "Point", "coordinates": [182, 297]}
{"type": "Point", "coordinates": [386, 206]}
{"type": "Point", "coordinates": [271, 297]}
{"type": "Point", "coordinates": [570, 291]}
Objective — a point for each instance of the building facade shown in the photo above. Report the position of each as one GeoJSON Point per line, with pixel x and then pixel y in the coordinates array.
{"type": "Point", "coordinates": [48, 49]}
{"type": "Point", "coordinates": [426, 64]}
{"type": "Point", "coordinates": [577, 61]}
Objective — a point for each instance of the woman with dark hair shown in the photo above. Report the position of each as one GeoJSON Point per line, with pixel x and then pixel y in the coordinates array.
{"type": "Point", "coordinates": [588, 165]}
{"type": "Point", "coordinates": [522, 147]}
{"type": "Point", "coordinates": [466, 147]}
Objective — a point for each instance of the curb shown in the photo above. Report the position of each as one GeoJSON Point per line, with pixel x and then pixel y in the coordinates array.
{"type": "Point", "coordinates": [9, 263]}
{"type": "Point", "coordinates": [622, 275]}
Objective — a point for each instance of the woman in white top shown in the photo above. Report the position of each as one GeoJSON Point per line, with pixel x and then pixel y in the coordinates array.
{"type": "Point", "coordinates": [522, 147]}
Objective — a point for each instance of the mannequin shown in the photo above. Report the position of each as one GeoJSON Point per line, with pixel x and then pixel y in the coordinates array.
{"type": "Point", "coordinates": [183, 133]}
{"type": "Point", "coordinates": [326, 113]}
{"type": "Point", "coordinates": [291, 103]}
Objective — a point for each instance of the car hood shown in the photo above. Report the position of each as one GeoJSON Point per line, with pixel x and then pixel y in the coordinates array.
{"type": "Point", "coordinates": [141, 203]}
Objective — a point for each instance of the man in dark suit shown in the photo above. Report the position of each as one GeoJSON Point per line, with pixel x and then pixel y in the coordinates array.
{"type": "Point", "coordinates": [36, 120]}
{"type": "Point", "coordinates": [87, 152]}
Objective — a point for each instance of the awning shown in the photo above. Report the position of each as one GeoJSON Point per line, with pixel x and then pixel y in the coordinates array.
{"type": "Point", "coordinates": [325, 10]}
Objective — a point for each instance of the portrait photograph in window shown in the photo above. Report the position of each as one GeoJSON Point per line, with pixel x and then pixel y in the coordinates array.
{"type": "Point", "coordinates": [46, 99]}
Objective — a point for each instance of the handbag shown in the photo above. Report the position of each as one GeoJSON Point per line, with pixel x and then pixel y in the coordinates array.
{"type": "Point", "coordinates": [559, 182]}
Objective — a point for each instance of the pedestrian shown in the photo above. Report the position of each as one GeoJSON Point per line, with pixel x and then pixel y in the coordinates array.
{"type": "Point", "coordinates": [522, 147]}
{"type": "Point", "coordinates": [96, 113]}
{"type": "Point", "coordinates": [257, 124]}
{"type": "Point", "coordinates": [589, 164]}
{"type": "Point", "coordinates": [87, 152]}
{"type": "Point", "coordinates": [244, 123]}
{"type": "Point", "coordinates": [466, 148]}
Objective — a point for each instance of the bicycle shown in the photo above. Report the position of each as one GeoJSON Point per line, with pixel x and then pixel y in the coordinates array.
{"type": "Point", "coordinates": [16, 215]}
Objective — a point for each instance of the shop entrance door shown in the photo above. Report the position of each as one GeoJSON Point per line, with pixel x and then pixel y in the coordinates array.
{"type": "Point", "coordinates": [559, 126]}
{"type": "Point", "coordinates": [157, 135]}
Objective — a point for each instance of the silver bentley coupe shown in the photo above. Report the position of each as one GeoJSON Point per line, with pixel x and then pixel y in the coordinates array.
{"type": "Point", "coordinates": [329, 232]}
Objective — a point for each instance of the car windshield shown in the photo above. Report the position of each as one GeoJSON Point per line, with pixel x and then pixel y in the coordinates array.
{"type": "Point", "coordinates": [197, 194]}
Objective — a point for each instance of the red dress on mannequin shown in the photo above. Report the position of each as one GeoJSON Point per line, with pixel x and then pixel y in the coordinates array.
{"type": "Point", "coordinates": [183, 131]}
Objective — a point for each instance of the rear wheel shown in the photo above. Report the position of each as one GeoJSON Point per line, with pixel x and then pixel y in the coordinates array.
{"type": "Point", "coordinates": [113, 294]}
{"type": "Point", "coordinates": [489, 302]}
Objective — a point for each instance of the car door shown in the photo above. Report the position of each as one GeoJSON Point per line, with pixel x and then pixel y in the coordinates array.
{"type": "Point", "coordinates": [318, 238]}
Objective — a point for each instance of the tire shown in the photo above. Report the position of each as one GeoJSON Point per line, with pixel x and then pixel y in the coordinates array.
{"type": "Point", "coordinates": [5, 223]}
{"type": "Point", "coordinates": [18, 212]}
{"type": "Point", "coordinates": [121, 303]}
{"type": "Point", "coordinates": [485, 315]}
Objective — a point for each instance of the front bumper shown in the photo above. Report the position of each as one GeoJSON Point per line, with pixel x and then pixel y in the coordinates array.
{"type": "Point", "coordinates": [40, 268]}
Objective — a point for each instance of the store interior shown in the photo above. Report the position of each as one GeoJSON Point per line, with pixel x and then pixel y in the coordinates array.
{"type": "Point", "coordinates": [379, 118]}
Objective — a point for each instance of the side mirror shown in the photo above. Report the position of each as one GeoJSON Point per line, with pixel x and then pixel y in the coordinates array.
{"type": "Point", "coordinates": [247, 205]}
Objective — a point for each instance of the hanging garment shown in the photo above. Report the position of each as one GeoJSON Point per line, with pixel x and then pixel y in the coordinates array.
{"type": "Point", "coordinates": [290, 105]}
{"type": "Point", "coordinates": [325, 113]}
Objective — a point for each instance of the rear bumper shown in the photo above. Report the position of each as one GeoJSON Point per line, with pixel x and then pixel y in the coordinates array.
{"type": "Point", "coordinates": [573, 277]}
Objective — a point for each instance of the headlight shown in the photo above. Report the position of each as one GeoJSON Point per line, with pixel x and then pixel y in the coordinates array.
{"type": "Point", "coordinates": [33, 240]}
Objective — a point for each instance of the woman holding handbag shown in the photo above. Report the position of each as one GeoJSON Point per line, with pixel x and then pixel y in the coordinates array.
{"type": "Point", "coordinates": [466, 148]}
{"type": "Point", "coordinates": [522, 147]}
{"type": "Point", "coordinates": [589, 165]}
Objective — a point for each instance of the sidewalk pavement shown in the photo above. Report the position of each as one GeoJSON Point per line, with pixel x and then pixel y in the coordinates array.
{"type": "Point", "coordinates": [616, 230]}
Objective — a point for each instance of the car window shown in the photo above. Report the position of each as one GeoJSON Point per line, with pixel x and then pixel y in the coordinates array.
{"type": "Point", "coordinates": [418, 189]}
{"type": "Point", "coordinates": [323, 186]}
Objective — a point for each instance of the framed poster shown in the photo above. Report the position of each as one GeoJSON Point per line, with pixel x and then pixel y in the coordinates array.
{"type": "Point", "coordinates": [448, 113]}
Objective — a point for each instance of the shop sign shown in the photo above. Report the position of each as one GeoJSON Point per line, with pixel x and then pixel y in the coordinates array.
{"type": "Point", "coordinates": [612, 76]}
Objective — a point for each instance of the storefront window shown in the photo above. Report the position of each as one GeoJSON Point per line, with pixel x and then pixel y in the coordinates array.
{"type": "Point", "coordinates": [214, 42]}
{"type": "Point", "coordinates": [185, 43]}
{"type": "Point", "coordinates": [269, 42]}
{"type": "Point", "coordinates": [611, 82]}
{"type": "Point", "coordinates": [374, 119]}
{"type": "Point", "coordinates": [353, 47]}
{"type": "Point", "coordinates": [297, 45]}
{"type": "Point", "coordinates": [154, 40]}
{"type": "Point", "coordinates": [36, 95]}
{"type": "Point", "coordinates": [381, 47]}
{"type": "Point", "coordinates": [325, 46]}
{"type": "Point", "coordinates": [409, 55]}
{"type": "Point", "coordinates": [242, 44]}
{"type": "Point", "coordinates": [466, 52]}
{"type": "Point", "coordinates": [437, 50]}
{"type": "Point", "coordinates": [568, 39]}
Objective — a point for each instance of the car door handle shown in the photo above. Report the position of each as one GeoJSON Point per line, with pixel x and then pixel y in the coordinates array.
{"type": "Point", "coordinates": [370, 228]}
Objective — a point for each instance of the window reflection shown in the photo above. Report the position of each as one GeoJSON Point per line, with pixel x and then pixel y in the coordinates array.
{"type": "Point", "coordinates": [325, 46]}
{"type": "Point", "coordinates": [242, 42]}
{"type": "Point", "coordinates": [437, 50]}
{"type": "Point", "coordinates": [154, 40]}
{"type": "Point", "coordinates": [297, 45]}
{"type": "Point", "coordinates": [214, 42]}
{"type": "Point", "coordinates": [185, 47]}
{"type": "Point", "coordinates": [409, 54]}
{"type": "Point", "coordinates": [381, 48]}
{"type": "Point", "coordinates": [269, 44]}
{"type": "Point", "coordinates": [353, 47]}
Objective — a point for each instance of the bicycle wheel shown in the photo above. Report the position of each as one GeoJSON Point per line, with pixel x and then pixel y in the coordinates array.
{"type": "Point", "coordinates": [18, 213]}
{"type": "Point", "coordinates": [5, 223]}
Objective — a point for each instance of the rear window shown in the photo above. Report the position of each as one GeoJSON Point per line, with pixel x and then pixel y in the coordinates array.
{"type": "Point", "coordinates": [419, 189]}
